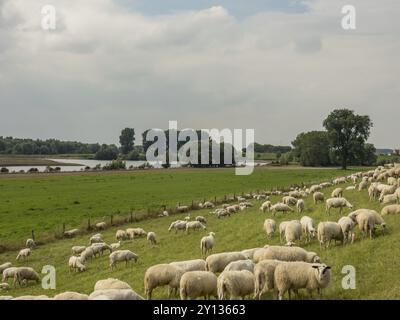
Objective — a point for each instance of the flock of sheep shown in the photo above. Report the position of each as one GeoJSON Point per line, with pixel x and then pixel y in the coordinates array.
{"type": "Point", "coordinates": [252, 272]}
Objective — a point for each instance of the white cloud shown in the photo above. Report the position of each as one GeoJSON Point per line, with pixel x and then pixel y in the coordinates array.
{"type": "Point", "coordinates": [281, 73]}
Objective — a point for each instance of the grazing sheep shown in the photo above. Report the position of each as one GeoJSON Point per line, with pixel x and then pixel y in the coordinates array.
{"type": "Point", "coordinates": [366, 220]}
{"type": "Point", "coordinates": [391, 209]}
{"type": "Point", "coordinates": [269, 227]}
{"type": "Point", "coordinates": [162, 275]}
{"type": "Point", "coordinates": [307, 225]}
{"type": "Point", "coordinates": [207, 243]}
{"type": "Point", "coordinates": [115, 294]}
{"type": "Point", "coordinates": [190, 265]}
{"type": "Point", "coordinates": [25, 274]}
{"type": "Point", "coordinates": [121, 235]}
{"type": "Point", "coordinates": [223, 213]}
{"type": "Point", "coordinates": [300, 275]}
{"type": "Point", "coordinates": [29, 297]}
{"type": "Point", "coordinates": [218, 261]}
{"type": "Point", "coordinates": [300, 205]}
{"type": "Point", "coordinates": [23, 254]}
{"type": "Point", "coordinates": [363, 185]}
{"type": "Point", "coordinates": [182, 209]}
{"type": "Point", "coordinates": [3, 298]}
{"type": "Point", "coordinates": [337, 203]}
{"type": "Point", "coordinates": [387, 190]}
{"type": "Point", "coordinates": [71, 233]}
{"type": "Point", "coordinates": [151, 237]}
{"type": "Point", "coordinates": [339, 180]}
{"type": "Point", "coordinates": [178, 225]}
{"type": "Point", "coordinates": [318, 196]}
{"type": "Point", "coordinates": [288, 200]}
{"type": "Point", "coordinates": [195, 284]}
{"type": "Point", "coordinates": [69, 295]}
{"type": "Point", "coordinates": [99, 248]}
{"type": "Point", "coordinates": [77, 249]}
{"type": "Point", "coordinates": [111, 283]}
{"type": "Point", "coordinates": [280, 207]}
{"type": "Point", "coordinates": [5, 266]}
{"type": "Point", "coordinates": [232, 209]}
{"type": "Point", "coordinates": [135, 232]}
{"type": "Point", "coordinates": [266, 206]}
{"type": "Point", "coordinates": [292, 232]}
{"type": "Point", "coordinates": [235, 284]}
{"type": "Point", "coordinates": [122, 255]}
{"type": "Point", "coordinates": [264, 277]}
{"type": "Point", "coordinates": [337, 193]}
{"type": "Point", "coordinates": [240, 265]}
{"type": "Point", "coordinates": [201, 219]}
{"type": "Point", "coordinates": [8, 273]}
{"type": "Point", "coordinates": [101, 225]}
{"type": "Point", "coordinates": [351, 188]}
{"type": "Point", "coordinates": [195, 225]}
{"type": "Point", "coordinates": [97, 238]}
{"type": "Point", "coordinates": [86, 254]}
{"type": "Point", "coordinates": [75, 263]}
{"type": "Point", "coordinates": [249, 253]}
{"type": "Point", "coordinates": [347, 226]}
{"type": "Point", "coordinates": [295, 194]}
{"type": "Point", "coordinates": [115, 246]}
{"type": "Point", "coordinates": [389, 198]}
{"type": "Point", "coordinates": [282, 228]}
{"type": "Point", "coordinates": [328, 231]}
{"type": "Point", "coordinates": [30, 243]}
{"type": "Point", "coordinates": [284, 253]}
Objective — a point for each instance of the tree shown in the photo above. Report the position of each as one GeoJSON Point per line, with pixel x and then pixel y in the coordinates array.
{"type": "Point", "coordinates": [127, 140]}
{"type": "Point", "coordinates": [107, 152]}
{"type": "Point", "coordinates": [312, 148]}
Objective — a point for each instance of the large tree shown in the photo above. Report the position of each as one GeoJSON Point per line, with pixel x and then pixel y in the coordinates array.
{"type": "Point", "coordinates": [127, 140]}
{"type": "Point", "coordinates": [312, 148]}
{"type": "Point", "coordinates": [347, 133]}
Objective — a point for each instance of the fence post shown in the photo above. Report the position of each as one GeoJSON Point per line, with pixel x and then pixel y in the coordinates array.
{"type": "Point", "coordinates": [192, 204]}
{"type": "Point", "coordinates": [33, 235]}
{"type": "Point", "coordinates": [131, 216]}
{"type": "Point", "coordinates": [112, 218]}
{"type": "Point", "coordinates": [88, 224]}
{"type": "Point", "coordinates": [63, 228]}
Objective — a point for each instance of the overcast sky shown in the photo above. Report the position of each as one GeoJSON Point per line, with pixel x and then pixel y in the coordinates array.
{"type": "Point", "coordinates": [278, 66]}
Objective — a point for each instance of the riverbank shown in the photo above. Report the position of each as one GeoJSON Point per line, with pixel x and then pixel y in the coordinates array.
{"type": "Point", "coordinates": [33, 160]}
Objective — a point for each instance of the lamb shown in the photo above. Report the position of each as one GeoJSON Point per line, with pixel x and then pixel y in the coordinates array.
{"type": "Point", "coordinates": [101, 225]}
{"type": "Point", "coordinates": [235, 284]}
{"type": "Point", "coordinates": [284, 253]}
{"type": "Point", "coordinates": [177, 225]}
{"type": "Point", "coordinates": [86, 254]}
{"type": "Point", "coordinates": [288, 200]}
{"type": "Point", "coordinates": [269, 227]}
{"type": "Point", "coordinates": [122, 255]}
{"type": "Point", "coordinates": [391, 209]}
{"type": "Point", "coordinates": [318, 196]}
{"type": "Point", "coordinates": [23, 254]}
{"type": "Point", "coordinates": [75, 263]}
{"type": "Point", "coordinates": [194, 284]}
{"type": "Point", "coordinates": [77, 249]}
{"type": "Point", "coordinates": [5, 266]}
{"type": "Point", "coordinates": [307, 225]}
{"type": "Point", "coordinates": [240, 265]}
{"type": "Point", "coordinates": [190, 265]}
{"type": "Point", "coordinates": [207, 243]}
{"type": "Point", "coordinates": [111, 283]}
{"type": "Point", "coordinates": [8, 273]}
{"type": "Point", "coordinates": [218, 261]}
{"type": "Point", "coordinates": [115, 294]}
{"type": "Point", "coordinates": [292, 232]}
{"type": "Point", "coordinates": [69, 295]}
{"type": "Point", "coordinates": [264, 277]}
{"type": "Point", "coordinates": [151, 237]}
{"type": "Point", "coordinates": [337, 203]}
{"type": "Point", "coordinates": [121, 235]}
{"type": "Point", "coordinates": [347, 226]}
{"type": "Point", "coordinates": [328, 231]}
{"type": "Point", "coordinates": [280, 207]}
{"type": "Point", "coordinates": [162, 275]}
{"type": "Point", "coordinates": [298, 275]}
{"type": "Point", "coordinates": [300, 205]}
{"type": "Point", "coordinates": [30, 243]}
{"type": "Point", "coordinates": [337, 193]}
{"type": "Point", "coordinates": [194, 225]}
{"type": "Point", "coordinates": [201, 219]}
{"type": "Point", "coordinates": [115, 246]}
{"type": "Point", "coordinates": [266, 206]}
{"type": "Point", "coordinates": [71, 233]}
{"type": "Point", "coordinates": [97, 238]}
{"type": "Point", "coordinates": [182, 209]}
{"type": "Point", "coordinates": [25, 274]}
{"type": "Point", "coordinates": [135, 232]}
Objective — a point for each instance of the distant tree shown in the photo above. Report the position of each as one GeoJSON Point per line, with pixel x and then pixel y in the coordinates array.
{"type": "Point", "coordinates": [312, 148]}
{"type": "Point", "coordinates": [107, 152]}
{"type": "Point", "coordinates": [368, 155]}
{"type": "Point", "coordinates": [127, 140]}
{"type": "Point", "coordinates": [347, 133]}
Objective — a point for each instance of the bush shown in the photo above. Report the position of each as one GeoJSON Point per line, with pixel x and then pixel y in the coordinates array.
{"type": "Point", "coordinates": [107, 153]}
{"type": "Point", "coordinates": [4, 170]}
{"type": "Point", "coordinates": [115, 165]}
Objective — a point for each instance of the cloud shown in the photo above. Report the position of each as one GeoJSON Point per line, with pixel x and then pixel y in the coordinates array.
{"type": "Point", "coordinates": [281, 73]}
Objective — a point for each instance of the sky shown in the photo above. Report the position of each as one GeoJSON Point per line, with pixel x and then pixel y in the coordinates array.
{"type": "Point", "coordinates": [276, 66]}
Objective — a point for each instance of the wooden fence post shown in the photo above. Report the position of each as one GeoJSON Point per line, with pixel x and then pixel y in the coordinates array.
{"type": "Point", "coordinates": [88, 224]}
{"type": "Point", "coordinates": [131, 217]}
{"type": "Point", "coordinates": [63, 228]}
{"type": "Point", "coordinates": [33, 235]}
{"type": "Point", "coordinates": [112, 218]}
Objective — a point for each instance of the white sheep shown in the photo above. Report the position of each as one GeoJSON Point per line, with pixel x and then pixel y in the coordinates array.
{"type": "Point", "coordinates": [25, 274]}
{"type": "Point", "coordinates": [8, 273]}
{"type": "Point", "coordinates": [347, 225]}
{"type": "Point", "coordinates": [97, 238]}
{"type": "Point", "coordinates": [308, 228]}
{"type": "Point", "coordinates": [314, 188]}
{"type": "Point", "coordinates": [269, 227]}
{"type": "Point", "coordinates": [282, 227]}
{"type": "Point", "coordinates": [190, 265]}
{"type": "Point", "coordinates": [101, 225]}
{"type": "Point", "coordinates": [195, 225]}
{"type": "Point", "coordinates": [99, 248]}
{"type": "Point", "coordinates": [218, 261]}
{"type": "Point", "coordinates": [23, 254]}
{"type": "Point", "coordinates": [111, 283]}
{"type": "Point", "coordinates": [318, 196]}
{"type": "Point", "coordinates": [240, 265]}
{"type": "Point", "coordinates": [207, 243]}
{"type": "Point", "coordinates": [366, 220]}
{"type": "Point", "coordinates": [30, 243]}
{"type": "Point", "coordinates": [337, 193]}
{"type": "Point", "coordinates": [115, 294]}
{"type": "Point", "coordinates": [300, 275]}
{"type": "Point", "coordinates": [235, 284]}
{"type": "Point", "coordinates": [284, 253]}
{"type": "Point", "coordinates": [4, 286]}
{"type": "Point", "coordinates": [292, 232]}
{"type": "Point", "coordinates": [86, 254]}
{"type": "Point", "coordinates": [288, 200]}
{"type": "Point", "coordinates": [136, 232]}
{"type": "Point", "coordinates": [5, 266]}
{"type": "Point", "coordinates": [266, 206]}
{"type": "Point", "coordinates": [337, 203]}
{"type": "Point", "coordinates": [280, 207]}
{"type": "Point", "coordinates": [177, 225]}
{"type": "Point", "coordinates": [194, 284]}
{"type": "Point", "coordinates": [122, 255]}
{"type": "Point", "coordinates": [300, 205]}
{"type": "Point", "coordinates": [69, 295]}
{"type": "Point", "coordinates": [264, 277]}
{"type": "Point", "coordinates": [201, 219]}
{"type": "Point", "coordinates": [349, 188]}
{"type": "Point", "coordinates": [77, 249]}
{"type": "Point", "coordinates": [249, 253]}
{"type": "Point", "coordinates": [182, 209]}
{"type": "Point", "coordinates": [390, 198]}
{"type": "Point", "coordinates": [162, 275]}
{"type": "Point", "coordinates": [391, 209]}
{"type": "Point", "coordinates": [328, 231]}
{"type": "Point", "coordinates": [121, 235]}
{"type": "Point", "coordinates": [363, 185]}
{"type": "Point", "coordinates": [115, 246]}
{"type": "Point", "coordinates": [223, 213]}
{"type": "Point", "coordinates": [75, 263]}
{"type": "Point", "coordinates": [151, 237]}
{"type": "Point", "coordinates": [71, 233]}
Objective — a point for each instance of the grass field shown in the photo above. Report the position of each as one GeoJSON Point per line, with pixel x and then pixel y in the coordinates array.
{"type": "Point", "coordinates": [30, 160]}
{"type": "Point", "coordinates": [376, 261]}
{"type": "Point", "coordinates": [44, 202]}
